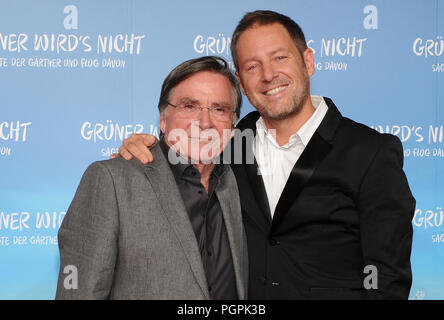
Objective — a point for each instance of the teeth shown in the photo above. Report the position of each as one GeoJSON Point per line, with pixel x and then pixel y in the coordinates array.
{"type": "Point", "coordinates": [274, 91]}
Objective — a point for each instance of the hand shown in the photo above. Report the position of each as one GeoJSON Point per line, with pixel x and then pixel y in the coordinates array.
{"type": "Point", "coordinates": [137, 146]}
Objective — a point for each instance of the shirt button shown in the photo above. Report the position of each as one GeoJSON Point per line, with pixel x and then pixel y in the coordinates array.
{"type": "Point", "coordinates": [200, 192]}
{"type": "Point", "coordinates": [276, 284]}
{"type": "Point", "coordinates": [273, 241]}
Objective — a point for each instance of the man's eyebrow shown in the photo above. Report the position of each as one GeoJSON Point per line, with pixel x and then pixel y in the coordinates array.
{"type": "Point", "coordinates": [188, 100]}
{"type": "Point", "coordinates": [254, 58]}
{"type": "Point", "coordinates": [278, 50]}
{"type": "Point", "coordinates": [224, 104]}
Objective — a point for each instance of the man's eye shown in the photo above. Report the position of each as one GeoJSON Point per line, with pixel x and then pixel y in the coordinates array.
{"type": "Point", "coordinates": [189, 106]}
{"type": "Point", "coordinates": [220, 110]}
{"type": "Point", "coordinates": [281, 57]}
{"type": "Point", "coordinates": [252, 67]}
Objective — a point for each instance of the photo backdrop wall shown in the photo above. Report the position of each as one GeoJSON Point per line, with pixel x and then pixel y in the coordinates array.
{"type": "Point", "coordinates": [78, 76]}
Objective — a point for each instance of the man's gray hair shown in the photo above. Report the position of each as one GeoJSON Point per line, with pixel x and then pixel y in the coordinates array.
{"type": "Point", "coordinates": [193, 66]}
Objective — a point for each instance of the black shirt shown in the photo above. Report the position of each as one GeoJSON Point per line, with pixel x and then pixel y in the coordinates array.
{"type": "Point", "coordinates": [208, 224]}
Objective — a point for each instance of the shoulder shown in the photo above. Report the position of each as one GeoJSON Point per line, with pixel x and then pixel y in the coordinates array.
{"type": "Point", "coordinates": [115, 167]}
{"type": "Point", "coordinates": [358, 133]}
{"type": "Point", "coordinates": [249, 121]}
{"type": "Point", "coordinates": [349, 132]}
{"type": "Point", "coordinates": [367, 144]}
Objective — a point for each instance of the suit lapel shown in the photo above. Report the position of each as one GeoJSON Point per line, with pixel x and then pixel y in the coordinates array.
{"type": "Point", "coordinates": [164, 185]}
{"type": "Point", "coordinates": [252, 192]}
{"type": "Point", "coordinates": [253, 197]}
{"type": "Point", "coordinates": [316, 150]}
{"type": "Point", "coordinates": [258, 189]}
{"type": "Point", "coordinates": [226, 192]}
{"type": "Point", "coordinates": [312, 156]}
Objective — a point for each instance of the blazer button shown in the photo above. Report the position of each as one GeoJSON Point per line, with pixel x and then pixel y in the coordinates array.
{"type": "Point", "coordinates": [273, 241]}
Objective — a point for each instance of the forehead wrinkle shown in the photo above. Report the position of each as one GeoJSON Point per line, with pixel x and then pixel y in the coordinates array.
{"type": "Point", "coordinates": [279, 50]}
{"type": "Point", "coordinates": [196, 101]}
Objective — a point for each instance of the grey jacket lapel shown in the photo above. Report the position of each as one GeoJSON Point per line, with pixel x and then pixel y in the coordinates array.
{"type": "Point", "coordinates": [228, 196]}
{"type": "Point", "coordinates": [164, 185]}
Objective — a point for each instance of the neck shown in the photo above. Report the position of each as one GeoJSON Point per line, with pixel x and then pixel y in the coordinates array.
{"type": "Point", "coordinates": [205, 171]}
{"type": "Point", "coordinates": [291, 124]}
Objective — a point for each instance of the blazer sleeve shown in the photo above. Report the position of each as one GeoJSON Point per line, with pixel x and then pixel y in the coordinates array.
{"type": "Point", "coordinates": [386, 207]}
{"type": "Point", "coordinates": [88, 238]}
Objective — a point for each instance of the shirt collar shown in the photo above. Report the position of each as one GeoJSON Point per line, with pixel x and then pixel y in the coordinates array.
{"type": "Point", "coordinates": [179, 168]}
{"type": "Point", "coordinates": [305, 133]}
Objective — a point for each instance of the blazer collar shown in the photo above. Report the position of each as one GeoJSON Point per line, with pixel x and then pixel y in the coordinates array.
{"type": "Point", "coordinates": [227, 194]}
{"type": "Point", "coordinates": [251, 186]}
{"type": "Point", "coordinates": [164, 185]}
{"type": "Point", "coordinates": [330, 123]}
{"type": "Point", "coordinates": [252, 192]}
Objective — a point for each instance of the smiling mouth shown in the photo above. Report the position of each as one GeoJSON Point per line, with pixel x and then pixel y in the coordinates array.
{"type": "Point", "coordinates": [275, 90]}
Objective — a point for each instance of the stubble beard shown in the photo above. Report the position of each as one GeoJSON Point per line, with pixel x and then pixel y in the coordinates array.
{"type": "Point", "coordinates": [297, 101]}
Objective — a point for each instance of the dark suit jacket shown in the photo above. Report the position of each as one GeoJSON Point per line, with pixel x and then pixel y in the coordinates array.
{"type": "Point", "coordinates": [346, 205]}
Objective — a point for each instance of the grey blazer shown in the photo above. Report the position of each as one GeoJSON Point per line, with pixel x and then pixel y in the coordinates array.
{"type": "Point", "coordinates": [128, 235]}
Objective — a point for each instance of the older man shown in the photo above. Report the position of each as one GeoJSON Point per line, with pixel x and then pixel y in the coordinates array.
{"type": "Point", "coordinates": [330, 215]}
{"type": "Point", "coordinates": [171, 229]}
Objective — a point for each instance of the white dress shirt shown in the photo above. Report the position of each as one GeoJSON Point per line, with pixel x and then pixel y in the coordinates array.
{"type": "Point", "coordinates": [276, 162]}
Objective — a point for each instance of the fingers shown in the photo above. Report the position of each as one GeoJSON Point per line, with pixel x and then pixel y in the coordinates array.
{"type": "Point", "coordinates": [149, 140]}
{"type": "Point", "coordinates": [124, 153]}
{"type": "Point", "coordinates": [137, 146]}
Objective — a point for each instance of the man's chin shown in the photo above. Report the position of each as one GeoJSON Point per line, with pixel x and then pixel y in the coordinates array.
{"type": "Point", "coordinates": [279, 114]}
{"type": "Point", "coordinates": [203, 152]}
{"type": "Point", "coordinates": [204, 160]}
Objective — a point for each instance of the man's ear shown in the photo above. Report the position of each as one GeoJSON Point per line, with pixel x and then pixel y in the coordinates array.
{"type": "Point", "coordinates": [162, 123]}
{"type": "Point", "coordinates": [309, 61]}
{"type": "Point", "coordinates": [240, 83]}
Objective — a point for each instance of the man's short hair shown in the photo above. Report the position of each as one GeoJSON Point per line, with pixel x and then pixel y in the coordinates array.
{"type": "Point", "coordinates": [193, 66]}
{"type": "Point", "coordinates": [266, 17]}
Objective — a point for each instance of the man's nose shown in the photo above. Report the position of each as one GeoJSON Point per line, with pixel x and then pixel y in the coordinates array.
{"type": "Point", "coordinates": [268, 72]}
{"type": "Point", "coordinates": [205, 119]}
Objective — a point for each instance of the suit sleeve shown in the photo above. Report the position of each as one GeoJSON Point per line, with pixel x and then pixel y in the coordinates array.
{"type": "Point", "coordinates": [386, 207]}
{"type": "Point", "coordinates": [88, 238]}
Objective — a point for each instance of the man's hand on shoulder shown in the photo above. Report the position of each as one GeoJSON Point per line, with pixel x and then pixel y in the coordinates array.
{"type": "Point", "coordinates": [137, 146]}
